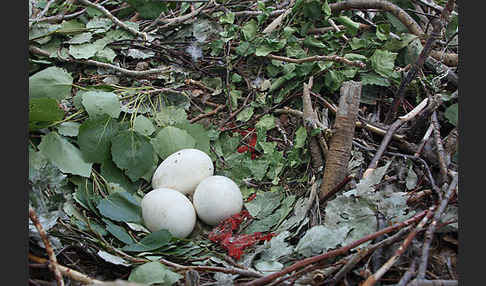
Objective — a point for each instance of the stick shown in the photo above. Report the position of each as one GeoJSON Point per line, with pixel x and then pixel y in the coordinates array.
{"type": "Point", "coordinates": [431, 229]}
{"type": "Point", "coordinates": [303, 263]}
{"type": "Point", "coordinates": [385, 267]}
{"type": "Point", "coordinates": [126, 72]}
{"type": "Point", "coordinates": [318, 58]}
{"type": "Point", "coordinates": [384, 143]}
{"type": "Point", "coordinates": [49, 250]}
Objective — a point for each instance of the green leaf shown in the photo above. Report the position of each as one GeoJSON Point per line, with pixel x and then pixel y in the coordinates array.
{"type": "Point", "coordinates": [112, 174]}
{"type": "Point", "coordinates": [95, 136]}
{"type": "Point", "coordinates": [258, 168]}
{"type": "Point", "coordinates": [278, 247]}
{"type": "Point", "coordinates": [154, 273]}
{"type": "Point", "coordinates": [300, 136]}
{"type": "Point", "coordinates": [170, 115]}
{"type": "Point", "coordinates": [198, 133]}
{"type": "Point", "coordinates": [245, 49]}
{"type": "Point", "coordinates": [171, 139]}
{"type": "Point", "coordinates": [98, 103]}
{"type": "Point", "coordinates": [245, 114]}
{"type": "Point", "coordinates": [374, 79]}
{"type": "Point", "coordinates": [148, 9]}
{"type": "Point", "coordinates": [249, 29]}
{"type": "Point", "coordinates": [452, 114]}
{"type": "Point", "coordinates": [383, 31]}
{"type": "Point", "coordinates": [320, 238]}
{"type": "Point", "coordinates": [119, 232]}
{"type": "Point", "coordinates": [99, 25]}
{"type": "Point", "coordinates": [132, 153]}
{"type": "Point", "coordinates": [152, 241]}
{"type": "Point", "coordinates": [326, 9]}
{"type": "Point", "coordinates": [80, 38]}
{"type": "Point", "coordinates": [42, 112]}
{"type": "Point", "coordinates": [52, 82]}
{"type": "Point", "coordinates": [69, 128]}
{"type": "Point", "coordinates": [333, 80]}
{"type": "Point", "coordinates": [383, 62]}
{"type": "Point", "coordinates": [64, 155]}
{"type": "Point", "coordinates": [314, 43]}
{"type": "Point", "coordinates": [121, 206]}
{"type": "Point", "coordinates": [228, 18]}
{"type": "Point", "coordinates": [263, 204]}
{"type": "Point", "coordinates": [352, 26]}
{"type": "Point", "coordinates": [143, 125]}
{"type": "Point", "coordinates": [106, 55]}
{"type": "Point", "coordinates": [394, 44]}
{"type": "Point", "coordinates": [83, 51]}
{"type": "Point", "coordinates": [267, 122]}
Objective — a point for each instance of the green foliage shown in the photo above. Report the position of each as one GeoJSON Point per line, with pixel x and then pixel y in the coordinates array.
{"type": "Point", "coordinates": [51, 82]}
{"type": "Point", "coordinates": [170, 140]}
{"type": "Point", "coordinates": [42, 112]}
{"type": "Point", "coordinates": [154, 273]}
{"type": "Point", "coordinates": [152, 241]}
{"type": "Point", "coordinates": [64, 155]}
{"type": "Point", "coordinates": [452, 114]}
{"type": "Point", "coordinates": [121, 206]}
{"type": "Point", "coordinates": [95, 136]}
{"type": "Point", "coordinates": [98, 103]}
{"type": "Point", "coordinates": [132, 153]}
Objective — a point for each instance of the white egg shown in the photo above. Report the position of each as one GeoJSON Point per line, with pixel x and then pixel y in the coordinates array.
{"type": "Point", "coordinates": [183, 171]}
{"type": "Point", "coordinates": [168, 209]}
{"type": "Point", "coordinates": [217, 198]}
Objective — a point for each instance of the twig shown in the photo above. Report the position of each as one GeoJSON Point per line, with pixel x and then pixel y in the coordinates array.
{"type": "Point", "coordinates": [416, 66]}
{"type": "Point", "coordinates": [424, 140]}
{"type": "Point", "coordinates": [303, 263]}
{"type": "Point", "coordinates": [433, 283]}
{"type": "Point", "coordinates": [47, 244]}
{"type": "Point", "coordinates": [408, 274]}
{"type": "Point", "coordinates": [42, 13]}
{"type": "Point", "coordinates": [356, 258]}
{"type": "Point", "coordinates": [311, 120]}
{"type": "Point", "coordinates": [318, 58]}
{"type": "Point", "coordinates": [439, 147]}
{"type": "Point", "coordinates": [277, 21]}
{"type": "Point", "coordinates": [126, 72]}
{"type": "Point", "coordinates": [230, 270]}
{"type": "Point", "coordinates": [66, 271]}
{"type": "Point", "coordinates": [384, 143]}
{"type": "Point", "coordinates": [385, 267]}
{"type": "Point", "coordinates": [201, 116]}
{"type": "Point", "coordinates": [60, 17]}
{"type": "Point", "coordinates": [431, 229]}
{"type": "Point", "coordinates": [115, 19]}
{"type": "Point", "coordinates": [174, 21]}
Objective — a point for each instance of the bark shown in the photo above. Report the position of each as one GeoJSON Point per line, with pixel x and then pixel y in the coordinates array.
{"type": "Point", "coordinates": [341, 142]}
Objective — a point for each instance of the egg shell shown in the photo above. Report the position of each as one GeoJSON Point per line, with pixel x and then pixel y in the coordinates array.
{"type": "Point", "coordinates": [169, 209]}
{"type": "Point", "coordinates": [217, 198]}
{"type": "Point", "coordinates": [183, 171]}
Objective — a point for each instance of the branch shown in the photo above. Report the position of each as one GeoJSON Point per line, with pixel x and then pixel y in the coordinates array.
{"type": "Point", "coordinates": [384, 143]}
{"type": "Point", "coordinates": [318, 58]}
{"type": "Point", "coordinates": [50, 252]}
{"type": "Point", "coordinates": [303, 263]}
{"type": "Point", "coordinates": [431, 229]}
{"type": "Point", "coordinates": [341, 141]}
{"type": "Point", "coordinates": [126, 72]}
{"type": "Point", "coordinates": [385, 267]}
{"type": "Point", "coordinates": [115, 19]}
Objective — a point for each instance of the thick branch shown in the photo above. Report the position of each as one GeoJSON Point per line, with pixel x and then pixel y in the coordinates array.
{"type": "Point", "coordinates": [341, 141]}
